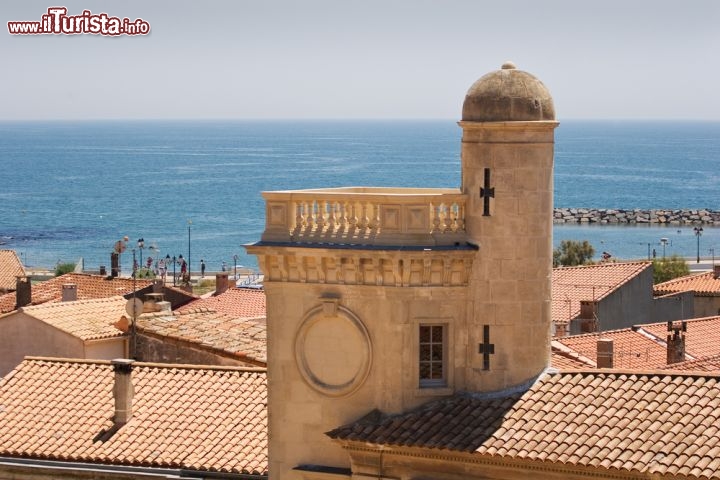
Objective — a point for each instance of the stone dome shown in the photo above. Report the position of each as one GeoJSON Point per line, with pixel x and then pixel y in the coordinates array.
{"type": "Point", "coordinates": [508, 95]}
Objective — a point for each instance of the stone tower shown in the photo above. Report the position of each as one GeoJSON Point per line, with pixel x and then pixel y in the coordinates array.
{"type": "Point", "coordinates": [508, 124]}
{"type": "Point", "coordinates": [388, 298]}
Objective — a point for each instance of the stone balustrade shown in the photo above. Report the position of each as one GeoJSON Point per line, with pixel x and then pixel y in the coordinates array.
{"type": "Point", "coordinates": [366, 216]}
{"type": "Point", "coordinates": [637, 216]}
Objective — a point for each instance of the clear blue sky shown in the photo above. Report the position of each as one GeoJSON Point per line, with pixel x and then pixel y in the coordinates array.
{"type": "Point", "coordinates": [363, 59]}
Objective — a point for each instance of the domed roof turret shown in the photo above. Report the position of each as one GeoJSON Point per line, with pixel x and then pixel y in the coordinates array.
{"type": "Point", "coordinates": [508, 95]}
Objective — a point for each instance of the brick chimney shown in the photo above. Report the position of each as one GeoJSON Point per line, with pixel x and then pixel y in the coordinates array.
{"type": "Point", "coordinates": [605, 355]}
{"type": "Point", "coordinates": [221, 283]}
{"type": "Point", "coordinates": [588, 316]}
{"type": "Point", "coordinates": [716, 271]}
{"type": "Point", "coordinates": [676, 343]}
{"type": "Point", "coordinates": [69, 292]}
{"type": "Point", "coordinates": [23, 292]}
{"type": "Point", "coordinates": [123, 391]}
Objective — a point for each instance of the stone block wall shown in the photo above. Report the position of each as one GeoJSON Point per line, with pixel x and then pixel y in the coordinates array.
{"type": "Point", "coordinates": [636, 216]}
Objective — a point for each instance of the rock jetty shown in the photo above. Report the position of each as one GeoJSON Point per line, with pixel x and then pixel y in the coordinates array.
{"type": "Point", "coordinates": [636, 216]}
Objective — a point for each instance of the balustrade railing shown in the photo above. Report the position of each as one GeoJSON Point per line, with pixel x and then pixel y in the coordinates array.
{"type": "Point", "coordinates": [366, 215]}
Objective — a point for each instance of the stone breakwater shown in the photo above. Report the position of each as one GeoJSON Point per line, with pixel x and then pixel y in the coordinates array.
{"type": "Point", "coordinates": [636, 216]}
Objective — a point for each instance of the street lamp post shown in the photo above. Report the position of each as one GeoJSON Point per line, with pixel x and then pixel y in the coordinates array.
{"type": "Point", "coordinates": [235, 260]}
{"type": "Point", "coordinates": [711, 251]}
{"type": "Point", "coordinates": [141, 245]}
{"type": "Point", "coordinates": [698, 232]}
{"type": "Point", "coordinates": [664, 241]}
{"type": "Point", "coordinates": [174, 274]}
{"type": "Point", "coordinates": [188, 259]}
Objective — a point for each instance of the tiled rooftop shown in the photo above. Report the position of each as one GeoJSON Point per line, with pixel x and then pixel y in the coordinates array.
{"type": "Point", "coordinates": [185, 417]}
{"type": "Point", "coordinates": [703, 284]}
{"type": "Point", "coordinates": [570, 285]}
{"type": "Point", "coordinates": [631, 349]}
{"type": "Point", "coordinates": [642, 346]}
{"type": "Point", "coordinates": [84, 319]}
{"type": "Point", "coordinates": [238, 302]}
{"type": "Point", "coordinates": [643, 423]}
{"type": "Point", "coordinates": [702, 338]}
{"type": "Point", "coordinates": [705, 364]}
{"type": "Point", "coordinates": [88, 286]}
{"type": "Point", "coordinates": [10, 268]}
{"type": "Point", "coordinates": [244, 338]}
{"type": "Point", "coordinates": [564, 358]}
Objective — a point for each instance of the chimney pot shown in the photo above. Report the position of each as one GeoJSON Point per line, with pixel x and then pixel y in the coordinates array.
{"type": "Point", "coordinates": [69, 292]}
{"type": "Point", "coordinates": [221, 283]}
{"type": "Point", "coordinates": [605, 354]}
{"type": "Point", "coordinates": [123, 391]}
{"type": "Point", "coordinates": [23, 292]}
{"type": "Point", "coordinates": [676, 343]}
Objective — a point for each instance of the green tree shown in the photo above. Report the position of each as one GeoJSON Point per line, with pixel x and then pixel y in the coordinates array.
{"type": "Point", "coordinates": [63, 268]}
{"type": "Point", "coordinates": [571, 253]}
{"type": "Point", "coordinates": [665, 269]}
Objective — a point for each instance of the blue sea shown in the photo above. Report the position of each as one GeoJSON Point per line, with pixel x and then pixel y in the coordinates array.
{"type": "Point", "coordinates": [70, 190]}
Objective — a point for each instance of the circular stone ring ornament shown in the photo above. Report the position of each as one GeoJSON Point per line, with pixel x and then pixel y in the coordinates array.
{"type": "Point", "coordinates": [333, 350]}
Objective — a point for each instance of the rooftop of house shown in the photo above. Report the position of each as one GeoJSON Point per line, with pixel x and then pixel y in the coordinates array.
{"type": "Point", "coordinates": [242, 338]}
{"type": "Point", "coordinates": [563, 358]}
{"type": "Point", "coordinates": [88, 286]}
{"type": "Point", "coordinates": [646, 423]}
{"type": "Point", "coordinates": [705, 364]}
{"type": "Point", "coordinates": [631, 349]}
{"type": "Point", "coordinates": [215, 416]}
{"type": "Point", "coordinates": [10, 268]}
{"type": "Point", "coordinates": [642, 346]}
{"type": "Point", "coordinates": [85, 319]}
{"type": "Point", "coordinates": [239, 302]}
{"type": "Point", "coordinates": [703, 284]}
{"type": "Point", "coordinates": [702, 338]}
{"type": "Point", "coordinates": [571, 285]}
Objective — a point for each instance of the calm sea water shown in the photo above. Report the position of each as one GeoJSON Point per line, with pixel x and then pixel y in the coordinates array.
{"type": "Point", "coordinates": [72, 189]}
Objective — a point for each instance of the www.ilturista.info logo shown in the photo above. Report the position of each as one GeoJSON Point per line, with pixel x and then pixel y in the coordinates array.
{"type": "Point", "coordinates": [58, 22]}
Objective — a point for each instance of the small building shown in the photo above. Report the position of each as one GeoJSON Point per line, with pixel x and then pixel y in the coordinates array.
{"type": "Point", "coordinates": [80, 419]}
{"type": "Point", "coordinates": [73, 329]}
{"type": "Point", "coordinates": [704, 286]}
{"type": "Point", "coordinates": [10, 269]}
{"type": "Point", "coordinates": [201, 336]}
{"type": "Point", "coordinates": [608, 296]}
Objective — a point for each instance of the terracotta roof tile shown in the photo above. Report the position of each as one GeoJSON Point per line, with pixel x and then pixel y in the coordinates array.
{"type": "Point", "coordinates": [84, 319]}
{"type": "Point", "coordinates": [10, 268]}
{"type": "Point", "coordinates": [705, 364]}
{"type": "Point", "coordinates": [631, 349]}
{"type": "Point", "coordinates": [238, 302]}
{"type": "Point", "coordinates": [547, 422]}
{"type": "Point", "coordinates": [88, 286]}
{"type": "Point", "coordinates": [180, 415]}
{"type": "Point", "coordinates": [562, 358]}
{"type": "Point", "coordinates": [702, 338]}
{"type": "Point", "coordinates": [570, 285]}
{"type": "Point", "coordinates": [703, 284]}
{"type": "Point", "coordinates": [243, 338]}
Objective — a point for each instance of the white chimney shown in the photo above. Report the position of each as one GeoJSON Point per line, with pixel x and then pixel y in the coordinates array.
{"type": "Point", "coordinates": [123, 391]}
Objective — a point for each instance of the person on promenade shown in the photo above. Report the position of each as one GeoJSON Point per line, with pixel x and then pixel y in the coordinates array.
{"type": "Point", "coordinates": [202, 268]}
{"type": "Point", "coordinates": [161, 268]}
